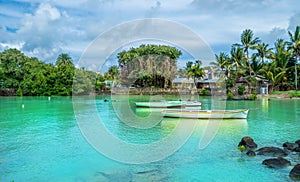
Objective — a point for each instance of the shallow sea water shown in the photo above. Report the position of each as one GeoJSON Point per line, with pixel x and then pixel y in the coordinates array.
{"type": "Point", "coordinates": [43, 142]}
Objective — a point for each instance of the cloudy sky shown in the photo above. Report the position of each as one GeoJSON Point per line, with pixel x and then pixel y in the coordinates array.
{"type": "Point", "coordinates": [44, 29]}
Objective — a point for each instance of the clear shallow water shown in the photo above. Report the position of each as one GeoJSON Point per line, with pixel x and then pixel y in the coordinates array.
{"type": "Point", "coordinates": [42, 141]}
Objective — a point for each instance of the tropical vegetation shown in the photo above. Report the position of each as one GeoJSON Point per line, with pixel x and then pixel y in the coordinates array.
{"type": "Point", "coordinates": [252, 57]}
{"type": "Point", "coordinates": [149, 65]}
{"type": "Point", "coordinates": [29, 76]}
{"type": "Point", "coordinates": [156, 66]}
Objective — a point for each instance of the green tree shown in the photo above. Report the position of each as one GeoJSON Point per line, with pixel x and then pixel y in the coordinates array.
{"type": "Point", "coordinates": [294, 46]}
{"type": "Point", "coordinates": [195, 70]}
{"type": "Point", "coordinates": [248, 42]}
{"type": "Point", "coordinates": [113, 72]}
{"type": "Point", "coordinates": [263, 52]}
{"type": "Point", "coordinates": [155, 62]}
{"type": "Point", "coordinates": [11, 63]}
{"type": "Point", "coordinates": [238, 59]}
{"type": "Point", "coordinates": [65, 75]}
{"type": "Point", "coordinates": [223, 61]}
{"type": "Point", "coordinates": [64, 60]}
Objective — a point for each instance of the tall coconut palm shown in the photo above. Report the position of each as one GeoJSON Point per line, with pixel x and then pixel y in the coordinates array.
{"type": "Point", "coordinates": [281, 55]}
{"type": "Point", "coordinates": [221, 60]}
{"type": "Point", "coordinates": [294, 46]}
{"type": "Point", "coordinates": [64, 60]}
{"type": "Point", "coordinates": [248, 42]}
{"type": "Point", "coordinates": [198, 70]}
{"type": "Point", "coordinates": [263, 52]}
{"type": "Point", "coordinates": [237, 58]}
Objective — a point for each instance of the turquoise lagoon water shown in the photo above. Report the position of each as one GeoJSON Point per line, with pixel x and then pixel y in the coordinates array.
{"type": "Point", "coordinates": [42, 142]}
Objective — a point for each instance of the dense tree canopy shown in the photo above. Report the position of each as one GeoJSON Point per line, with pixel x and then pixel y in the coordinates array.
{"type": "Point", "coordinates": [29, 76]}
{"type": "Point", "coordinates": [149, 65]}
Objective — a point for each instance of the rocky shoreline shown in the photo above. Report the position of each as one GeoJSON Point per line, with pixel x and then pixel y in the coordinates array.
{"type": "Point", "coordinates": [275, 155]}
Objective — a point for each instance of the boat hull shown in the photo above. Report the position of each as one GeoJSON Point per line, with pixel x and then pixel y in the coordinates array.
{"type": "Point", "coordinates": [206, 114]}
{"type": "Point", "coordinates": [168, 104]}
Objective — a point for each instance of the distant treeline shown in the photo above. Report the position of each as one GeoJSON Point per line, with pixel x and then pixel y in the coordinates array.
{"type": "Point", "coordinates": [22, 75]}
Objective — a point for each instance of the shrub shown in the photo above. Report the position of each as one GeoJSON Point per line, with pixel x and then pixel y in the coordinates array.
{"type": "Point", "coordinates": [203, 92]}
{"type": "Point", "coordinates": [19, 92]}
{"type": "Point", "coordinates": [229, 95]}
{"type": "Point", "coordinates": [241, 89]}
{"type": "Point", "coordinates": [253, 95]}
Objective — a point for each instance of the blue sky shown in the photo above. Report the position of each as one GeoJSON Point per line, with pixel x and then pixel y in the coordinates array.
{"type": "Point", "coordinates": [44, 29]}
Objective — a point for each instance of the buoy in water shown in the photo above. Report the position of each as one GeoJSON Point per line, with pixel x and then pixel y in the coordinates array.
{"type": "Point", "coordinates": [23, 106]}
{"type": "Point", "coordinates": [49, 98]}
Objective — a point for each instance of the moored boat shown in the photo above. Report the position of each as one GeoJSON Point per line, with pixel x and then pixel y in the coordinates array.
{"type": "Point", "coordinates": [161, 104]}
{"type": "Point", "coordinates": [169, 104]}
{"type": "Point", "coordinates": [206, 114]}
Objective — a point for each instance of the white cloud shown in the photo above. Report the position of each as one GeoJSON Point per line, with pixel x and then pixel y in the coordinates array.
{"type": "Point", "coordinates": [46, 29]}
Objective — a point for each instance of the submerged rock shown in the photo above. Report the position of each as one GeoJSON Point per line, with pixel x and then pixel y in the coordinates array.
{"type": "Point", "coordinates": [276, 162]}
{"type": "Point", "coordinates": [295, 172]}
{"type": "Point", "coordinates": [271, 151]}
{"type": "Point", "coordinates": [248, 142]}
{"type": "Point", "coordinates": [297, 149]}
{"type": "Point", "coordinates": [251, 153]}
{"type": "Point", "coordinates": [290, 146]}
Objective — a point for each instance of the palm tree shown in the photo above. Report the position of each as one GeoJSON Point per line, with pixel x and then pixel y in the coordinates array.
{"type": "Point", "coordinates": [256, 66]}
{"type": "Point", "coordinates": [64, 60]}
{"type": "Point", "coordinates": [198, 70]}
{"type": "Point", "coordinates": [237, 58]}
{"type": "Point", "coordinates": [263, 52]}
{"type": "Point", "coordinates": [294, 46]}
{"type": "Point", "coordinates": [248, 42]}
{"type": "Point", "coordinates": [222, 61]}
{"type": "Point", "coordinates": [189, 69]}
{"type": "Point", "coordinates": [195, 70]}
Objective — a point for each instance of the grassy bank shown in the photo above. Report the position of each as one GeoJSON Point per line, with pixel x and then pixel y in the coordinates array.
{"type": "Point", "coordinates": [287, 94]}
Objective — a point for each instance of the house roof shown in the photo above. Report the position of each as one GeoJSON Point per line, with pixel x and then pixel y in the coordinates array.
{"type": "Point", "coordinates": [183, 80]}
{"type": "Point", "coordinates": [257, 77]}
{"type": "Point", "coordinates": [207, 81]}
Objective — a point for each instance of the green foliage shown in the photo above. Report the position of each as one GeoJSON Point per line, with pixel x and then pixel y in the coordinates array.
{"type": "Point", "coordinates": [229, 95]}
{"type": "Point", "coordinates": [84, 82]}
{"type": "Point", "coordinates": [148, 65]}
{"type": "Point", "coordinates": [229, 83]}
{"type": "Point", "coordinates": [195, 70]}
{"type": "Point", "coordinates": [203, 92]}
{"type": "Point", "coordinates": [36, 78]}
{"type": "Point", "coordinates": [126, 56]}
{"type": "Point", "coordinates": [19, 92]}
{"type": "Point", "coordinates": [241, 89]}
{"type": "Point", "coordinates": [253, 95]}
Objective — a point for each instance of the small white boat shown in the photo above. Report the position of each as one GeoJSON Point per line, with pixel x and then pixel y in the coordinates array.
{"type": "Point", "coordinates": [193, 104]}
{"type": "Point", "coordinates": [161, 104]}
{"type": "Point", "coordinates": [206, 114]}
{"type": "Point", "coordinates": [168, 104]}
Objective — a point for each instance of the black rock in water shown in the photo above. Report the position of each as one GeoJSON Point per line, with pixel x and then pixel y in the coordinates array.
{"type": "Point", "coordinates": [295, 172]}
{"type": "Point", "coordinates": [271, 151]}
{"type": "Point", "coordinates": [297, 149]}
{"type": "Point", "coordinates": [251, 153]}
{"type": "Point", "coordinates": [248, 142]}
{"type": "Point", "coordinates": [290, 146]}
{"type": "Point", "coordinates": [276, 162]}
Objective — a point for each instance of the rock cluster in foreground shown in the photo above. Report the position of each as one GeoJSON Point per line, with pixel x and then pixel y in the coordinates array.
{"type": "Point", "coordinates": [248, 146]}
